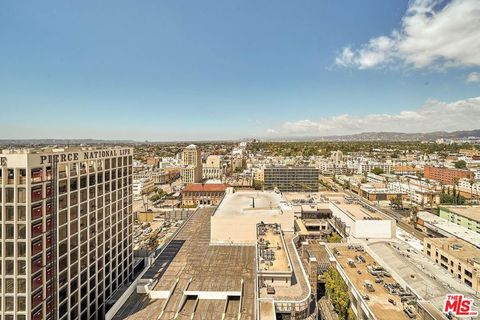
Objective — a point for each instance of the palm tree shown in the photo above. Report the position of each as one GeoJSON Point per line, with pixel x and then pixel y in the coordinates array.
{"type": "Point", "coordinates": [455, 184]}
{"type": "Point", "coordinates": [471, 181]}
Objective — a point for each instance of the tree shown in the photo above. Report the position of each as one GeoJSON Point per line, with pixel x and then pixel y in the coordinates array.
{"type": "Point", "coordinates": [155, 197]}
{"type": "Point", "coordinates": [334, 238]}
{"type": "Point", "coordinates": [337, 292]}
{"type": "Point", "coordinates": [377, 170]}
{"type": "Point", "coordinates": [397, 201]}
{"type": "Point", "coordinates": [460, 164]}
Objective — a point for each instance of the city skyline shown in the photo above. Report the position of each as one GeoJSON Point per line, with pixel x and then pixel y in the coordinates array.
{"type": "Point", "coordinates": [214, 70]}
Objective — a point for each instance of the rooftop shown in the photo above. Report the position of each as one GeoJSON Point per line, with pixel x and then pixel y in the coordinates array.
{"type": "Point", "coordinates": [450, 229]}
{"type": "Point", "coordinates": [189, 263]}
{"type": "Point", "coordinates": [45, 150]}
{"type": "Point", "coordinates": [249, 202]}
{"type": "Point", "coordinates": [470, 212]}
{"type": "Point", "coordinates": [458, 248]}
{"type": "Point", "coordinates": [417, 271]}
{"type": "Point", "coordinates": [358, 275]}
{"type": "Point", "coordinates": [272, 252]}
{"type": "Point", "coordinates": [356, 211]}
{"type": "Point", "coordinates": [208, 187]}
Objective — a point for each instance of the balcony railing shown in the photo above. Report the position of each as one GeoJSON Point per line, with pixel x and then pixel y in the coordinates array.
{"type": "Point", "coordinates": [37, 194]}
{"type": "Point", "coordinates": [37, 212]}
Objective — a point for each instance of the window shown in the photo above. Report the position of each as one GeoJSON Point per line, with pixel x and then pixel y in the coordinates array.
{"type": "Point", "coordinates": [9, 232]}
{"type": "Point", "coordinates": [22, 249]}
{"type": "Point", "coordinates": [9, 249]}
{"type": "Point", "coordinates": [9, 193]}
{"type": "Point", "coordinates": [10, 216]}
{"type": "Point", "coordinates": [21, 213]}
{"type": "Point", "coordinates": [21, 231]}
{"type": "Point", "coordinates": [22, 195]}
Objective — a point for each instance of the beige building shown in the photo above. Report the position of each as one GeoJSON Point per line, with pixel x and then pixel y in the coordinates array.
{"type": "Point", "coordinates": [192, 164]}
{"type": "Point", "coordinates": [212, 168]}
{"type": "Point", "coordinates": [67, 244]}
{"type": "Point", "coordinates": [142, 186]}
{"type": "Point", "coordinates": [459, 257]}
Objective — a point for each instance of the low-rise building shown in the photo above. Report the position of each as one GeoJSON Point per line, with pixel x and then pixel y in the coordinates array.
{"type": "Point", "coordinates": [465, 216]}
{"type": "Point", "coordinates": [142, 186]}
{"type": "Point", "coordinates": [457, 256]}
{"type": "Point", "coordinates": [159, 177]}
{"type": "Point", "coordinates": [195, 194]}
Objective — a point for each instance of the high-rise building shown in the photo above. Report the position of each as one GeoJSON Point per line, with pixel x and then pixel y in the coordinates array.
{"type": "Point", "coordinates": [66, 217]}
{"type": "Point", "coordinates": [192, 164]}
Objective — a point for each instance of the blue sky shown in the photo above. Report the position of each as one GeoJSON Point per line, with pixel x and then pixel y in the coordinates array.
{"type": "Point", "coordinates": [181, 70]}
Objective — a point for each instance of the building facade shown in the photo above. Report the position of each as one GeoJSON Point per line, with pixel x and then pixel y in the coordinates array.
{"type": "Point", "coordinates": [458, 257]}
{"type": "Point", "coordinates": [196, 194]}
{"type": "Point", "coordinates": [142, 186]}
{"type": "Point", "coordinates": [66, 217]}
{"type": "Point", "coordinates": [447, 175]}
{"type": "Point", "coordinates": [292, 179]}
{"type": "Point", "coordinates": [192, 164]}
{"type": "Point", "coordinates": [465, 216]}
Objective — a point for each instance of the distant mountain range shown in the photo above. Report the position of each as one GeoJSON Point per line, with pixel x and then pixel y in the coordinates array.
{"type": "Point", "coordinates": [365, 136]}
{"type": "Point", "coordinates": [389, 136]}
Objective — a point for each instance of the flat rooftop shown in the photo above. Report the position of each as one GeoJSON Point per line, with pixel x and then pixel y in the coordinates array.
{"type": "Point", "coordinates": [318, 251]}
{"type": "Point", "coordinates": [419, 272]}
{"type": "Point", "coordinates": [43, 150]}
{"type": "Point", "coordinates": [357, 211]}
{"type": "Point", "coordinates": [299, 288]}
{"type": "Point", "coordinates": [189, 263]}
{"type": "Point", "coordinates": [458, 248]}
{"type": "Point", "coordinates": [248, 202]}
{"type": "Point", "coordinates": [273, 255]}
{"type": "Point", "coordinates": [378, 299]}
{"type": "Point", "coordinates": [470, 212]}
{"type": "Point", "coordinates": [450, 229]}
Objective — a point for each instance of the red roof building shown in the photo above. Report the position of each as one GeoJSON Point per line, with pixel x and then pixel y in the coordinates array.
{"type": "Point", "coordinates": [195, 194]}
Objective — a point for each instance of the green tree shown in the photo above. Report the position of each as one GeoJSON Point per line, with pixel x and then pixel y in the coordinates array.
{"type": "Point", "coordinates": [334, 238]}
{"type": "Point", "coordinates": [377, 170]}
{"type": "Point", "coordinates": [460, 164]}
{"type": "Point", "coordinates": [337, 292]}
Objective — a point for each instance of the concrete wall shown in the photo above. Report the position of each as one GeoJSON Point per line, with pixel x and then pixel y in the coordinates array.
{"type": "Point", "coordinates": [374, 229]}
{"type": "Point", "coordinates": [241, 229]}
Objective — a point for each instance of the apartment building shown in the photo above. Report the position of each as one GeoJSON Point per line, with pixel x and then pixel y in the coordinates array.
{"type": "Point", "coordinates": [192, 164]}
{"type": "Point", "coordinates": [142, 186]}
{"type": "Point", "coordinates": [447, 175]}
{"type": "Point", "coordinates": [465, 216]}
{"type": "Point", "coordinates": [66, 237]}
{"type": "Point", "coordinates": [159, 177]}
{"type": "Point", "coordinates": [292, 179]}
{"type": "Point", "coordinates": [459, 257]}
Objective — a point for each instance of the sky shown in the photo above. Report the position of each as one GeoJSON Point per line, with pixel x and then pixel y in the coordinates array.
{"type": "Point", "coordinates": [192, 70]}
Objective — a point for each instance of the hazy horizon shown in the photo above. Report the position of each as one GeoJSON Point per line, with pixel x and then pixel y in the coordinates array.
{"type": "Point", "coordinates": [205, 70]}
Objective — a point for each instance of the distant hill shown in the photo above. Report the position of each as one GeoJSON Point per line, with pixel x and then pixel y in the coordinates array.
{"type": "Point", "coordinates": [388, 136]}
{"type": "Point", "coordinates": [365, 136]}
